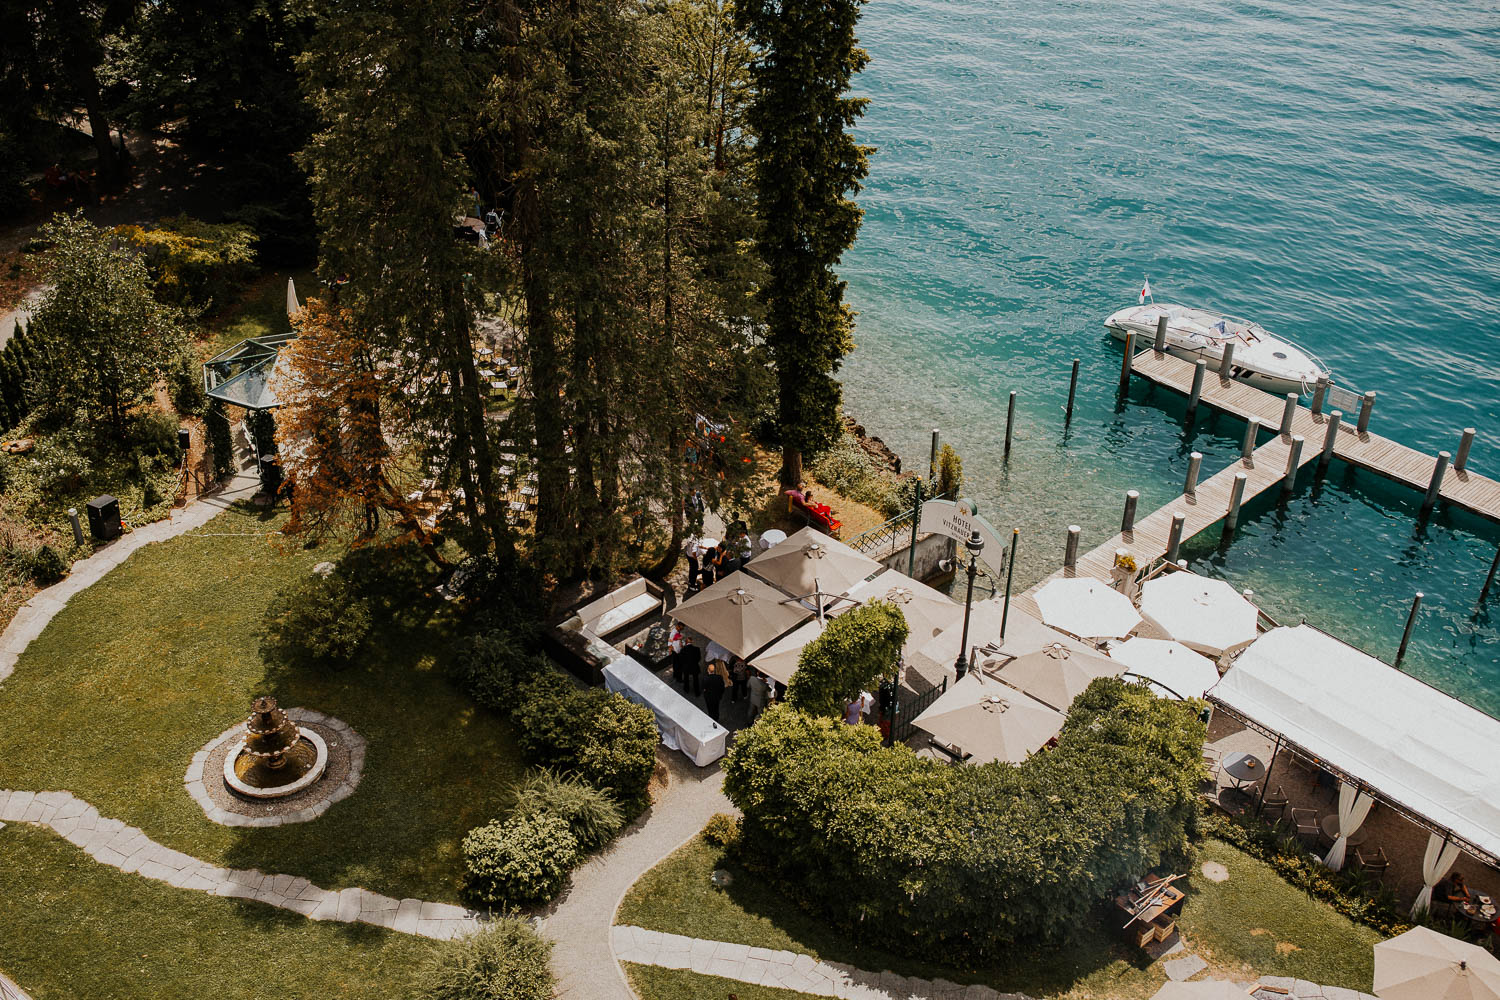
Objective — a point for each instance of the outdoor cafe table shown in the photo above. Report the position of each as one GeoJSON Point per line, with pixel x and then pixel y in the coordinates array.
{"type": "Point", "coordinates": [1330, 826]}
{"type": "Point", "coordinates": [1480, 911]}
{"type": "Point", "coordinates": [1244, 768]}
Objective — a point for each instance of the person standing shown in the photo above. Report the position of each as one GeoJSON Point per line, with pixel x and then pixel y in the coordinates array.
{"type": "Point", "coordinates": [724, 562]}
{"type": "Point", "coordinates": [739, 674]}
{"type": "Point", "coordinates": [713, 689]}
{"type": "Point", "coordinates": [709, 553]}
{"type": "Point", "coordinates": [687, 665]}
{"type": "Point", "coordinates": [692, 549]}
{"type": "Point", "coordinates": [760, 694]}
{"type": "Point", "coordinates": [675, 645]}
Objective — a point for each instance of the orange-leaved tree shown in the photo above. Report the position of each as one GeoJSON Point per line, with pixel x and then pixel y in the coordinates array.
{"type": "Point", "coordinates": [329, 435]}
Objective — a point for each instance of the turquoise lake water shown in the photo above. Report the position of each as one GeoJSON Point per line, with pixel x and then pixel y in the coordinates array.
{"type": "Point", "coordinates": [1331, 170]}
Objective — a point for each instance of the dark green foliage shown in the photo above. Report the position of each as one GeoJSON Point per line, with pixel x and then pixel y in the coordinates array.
{"type": "Point", "coordinates": [44, 565]}
{"type": "Point", "coordinates": [521, 861]}
{"type": "Point", "coordinates": [807, 166]}
{"type": "Point", "coordinates": [499, 590]}
{"type": "Point", "coordinates": [7, 468]}
{"type": "Point", "coordinates": [185, 384]}
{"type": "Point", "coordinates": [315, 623]}
{"type": "Point", "coordinates": [722, 830]}
{"type": "Point", "coordinates": [262, 427]}
{"type": "Point", "coordinates": [551, 717]}
{"type": "Point", "coordinates": [154, 433]}
{"type": "Point", "coordinates": [503, 960]}
{"type": "Point", "coordinates": [220, 440]}
{"type": "Point", "coordinates": [492, 665]}
{"type": "Point", "coordinates": [950, 473]}
{"type": "Point", "coordinates": [619, 753]}
{"type": "Point", "coordinates": [929, 858]}
{"type": "Point", "coordinates": [591, 814]}
{"type": "Point", "coordinates": [389, 578]}
{"type": "Point", "coordinates": [857, 649]}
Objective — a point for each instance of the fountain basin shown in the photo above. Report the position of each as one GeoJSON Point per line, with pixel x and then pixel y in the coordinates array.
{"type": "Point", "coordinates": [313, 773]}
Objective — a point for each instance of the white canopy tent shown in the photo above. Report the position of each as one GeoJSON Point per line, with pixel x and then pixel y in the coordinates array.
{"type": "Point", "coordinates": [1426, 754]}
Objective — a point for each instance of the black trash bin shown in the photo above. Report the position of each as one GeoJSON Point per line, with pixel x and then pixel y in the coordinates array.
{"type": "Point", "coordinates": [104, 518]}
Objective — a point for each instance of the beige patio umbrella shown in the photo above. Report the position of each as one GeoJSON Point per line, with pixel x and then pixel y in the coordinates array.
{"type": "Point", "coordinates": [1206, 989]}
{"type": "Point", "coordinates": [740, 613]}
{"type": "Point", "coordinates": [990, 721]}
{"type": "Point", "coordinates": [810, 560]}
{"type": "Point", "coordinates": [1023, 634]}
{"type": "Point", "coordinates": [1424, 964]}
{"type": "Point", "coordinates": [1087, 608]}
{"type": "Point", "coordinates": [1203, 614]}
{"type": "Point", "coordinates": [928, 612]}
{"type": "Point", "coordinates": [1055, 675]}
{"type": "Point", "coordinates": [779, 660]}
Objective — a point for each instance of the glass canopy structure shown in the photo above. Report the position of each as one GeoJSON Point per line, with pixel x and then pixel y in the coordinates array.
{"type": "Point", "coordinates": [242, 375]}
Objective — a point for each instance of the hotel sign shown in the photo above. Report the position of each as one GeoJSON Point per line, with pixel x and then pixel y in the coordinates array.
{"type": "Point", "coordinates": [958, 521]}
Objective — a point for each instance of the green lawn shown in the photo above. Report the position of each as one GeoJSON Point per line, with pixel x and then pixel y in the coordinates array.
{"type": "Point", "coordinates": [71, 929]}
{"type": "Point", "coordinates": [141, 670]}
{"type": "Point", "coordinates": [680, 984]}
{"type": "Point", "coordinates": [1252, 924]}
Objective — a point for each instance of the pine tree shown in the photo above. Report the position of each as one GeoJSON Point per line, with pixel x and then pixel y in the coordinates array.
{"type": "Point", "coordinates": [807, 167]}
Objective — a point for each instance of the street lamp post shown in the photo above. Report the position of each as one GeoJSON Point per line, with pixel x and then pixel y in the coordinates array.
{"type": "Point", "coordinates": [975, 545]}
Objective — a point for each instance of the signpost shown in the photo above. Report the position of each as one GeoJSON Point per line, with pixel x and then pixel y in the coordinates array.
{"type": "Point", "coordinates": [958, 520]}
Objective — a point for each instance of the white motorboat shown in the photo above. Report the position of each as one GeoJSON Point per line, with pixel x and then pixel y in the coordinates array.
{"type": "Point", "coordinates": [1260, 358]}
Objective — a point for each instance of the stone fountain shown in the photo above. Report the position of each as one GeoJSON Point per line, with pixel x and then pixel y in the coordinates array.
{"type": "Point", "coordinates": [276, 757]}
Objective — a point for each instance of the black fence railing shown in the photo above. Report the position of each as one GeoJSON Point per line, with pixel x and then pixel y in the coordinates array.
{"type": "Point", "coordinates": [908, 710]}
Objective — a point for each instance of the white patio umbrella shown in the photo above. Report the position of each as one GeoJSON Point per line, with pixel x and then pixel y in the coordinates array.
{"type": "Point", "coordinates": [1173, 669]}
{"type": "Point", "coordinates": [990, 721]}
{"type": "Point", "coordinates": [1055, 675]}
{"type": "Point", "coordinates": [1205, 989]}
{"type": "Point", "coordinates": [1424, 964]}
{"type": "Point", "coordinates": [1203, 614]}
{"type": "Point", "coordinates": [810, 560]}
{"type": "Point", "coordinates": [1088, 608]}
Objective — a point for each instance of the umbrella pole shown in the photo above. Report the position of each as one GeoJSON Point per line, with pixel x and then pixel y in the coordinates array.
{"type": "Point", "coordinates": [1265, 785]}
{"type": "Point", "coordinates": [1010, 572]}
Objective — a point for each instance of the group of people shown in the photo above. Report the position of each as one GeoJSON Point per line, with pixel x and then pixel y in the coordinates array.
{"type": "Point", "coordinates": [727, 673]}
{"type": "Point", "coordinates": [707, 563]}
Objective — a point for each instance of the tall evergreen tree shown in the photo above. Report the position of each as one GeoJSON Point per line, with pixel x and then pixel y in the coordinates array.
{"type": "Point", "coordinates": [807, 168]}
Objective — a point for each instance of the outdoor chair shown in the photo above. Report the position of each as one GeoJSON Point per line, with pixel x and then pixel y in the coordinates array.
{"type": "Point", "coordinates": [1306, 822]}
{"type": "Point", "coordinates": [1276, 800]}
{"type": "Point", "coordinates": [1374, 862]}
{"type": "Point", "coordinates": [1213, 760]}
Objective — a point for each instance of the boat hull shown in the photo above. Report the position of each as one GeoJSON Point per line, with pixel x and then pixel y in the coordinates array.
{"type": "Point", "coordinates": [1269, 383]}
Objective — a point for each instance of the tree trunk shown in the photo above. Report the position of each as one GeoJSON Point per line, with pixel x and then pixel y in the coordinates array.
{"type": "Point", "coordinates": [791, 468]}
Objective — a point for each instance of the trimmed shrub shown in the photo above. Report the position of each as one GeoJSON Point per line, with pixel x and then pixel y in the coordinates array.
{"type": "Point", "coordinates": [43, 565]}
{"type": "Point", "coordinates": [950, 472]}
{"type": "Point", "coordinates": [552, 719]}
{"type": "Point", "coordinates": [619, 753]}
{"type": "Point", "coordinates": [722, 830]}
{"type": "Point", "coordinates": [185, 385]}
{"type": "Point", "coordinates": [155, 433]}
{"type": "Point", "coordinates": [192, 261]}
{"type": "Point", "coordinates": [316, 622]}
{"type": "Point", "coordinates": [857, 649]}
{"type": "Point", "coordinates": [492, 666]}
{"type": "Point", "coordinates": [503, 960]}
{"type": "Point", "coordinates": [592, 816]}
{"type": "Point", "coordinates": [519, 862]}
{"type": "Point", "coordinates": [966, 861]}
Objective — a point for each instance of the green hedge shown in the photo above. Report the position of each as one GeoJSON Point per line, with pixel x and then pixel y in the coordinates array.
{"type": "Point", "coordinates": [520, 861]}
{"type": "Point", "coordinates": [857, 649]}
{"type": "Point", "coordinates": [928, 858]}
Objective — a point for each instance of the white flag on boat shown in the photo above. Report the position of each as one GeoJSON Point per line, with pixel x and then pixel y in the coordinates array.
{"type": "Point", "coordinates": [1146, 291]}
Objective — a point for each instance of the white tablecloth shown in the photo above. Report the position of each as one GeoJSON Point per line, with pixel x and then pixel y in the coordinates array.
{"type": "Point", "coordinates": [684, 726]}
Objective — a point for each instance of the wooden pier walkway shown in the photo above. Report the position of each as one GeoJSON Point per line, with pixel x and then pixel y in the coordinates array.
{"type": "Point", "coordinates": [1265, 469]}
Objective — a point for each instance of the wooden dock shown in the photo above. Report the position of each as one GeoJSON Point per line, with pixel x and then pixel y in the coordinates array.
{"type": "Point", "coordinates": [1264, 470]}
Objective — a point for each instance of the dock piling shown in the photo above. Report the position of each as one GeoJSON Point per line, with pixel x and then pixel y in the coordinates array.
{"type": "Point", "coordinates": [1489, 581]}
{"type": "Point", "coordinates": [1129, 357]}
{"type": "Point", "coordinates": [1435, 486]}
{"type": "Point", "coordinates": [1366, 407]}
{"type": "Point", "coordinates": [1195, 463]}
{"type": "Point", "coordinates": [1070, 550]}
{"type": "Point", "coordinates": [1293, 462]}
{"type": "Point", "coordinates": [1288, 411]}
{"type": "Point", "coordinates": [1330, 436]}
{"type": "Point", "coordinates": [1464, 444]}
{"type": "Point", "coordinates": [1161, 333]}
{"type": "Point", "coordinates": [1226, 363]}
{"type": "Point", "coordinates": [1251, 431]}
{"type": "Point", "coordinates": [932, 456]}
{"type": "Point", "coordinates": [1127, 523]}
{"type": "Point", "coordinates": [1198, 368]}
{"type": "Point", "coordinates": [1319, 392]}
{"type": "Point", "coordinates": [1411, 619]}
{"type": "Point", "coordinates": [1010, 420]}
{"type": "Point", "coordinates": [1072, 391]}
{"type": "Point", "coordinates": [1174, 538]}
{"type": "Point", "coordinates": [1236, 497]}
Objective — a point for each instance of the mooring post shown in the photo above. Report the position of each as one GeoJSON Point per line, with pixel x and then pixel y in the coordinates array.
{"type": "Point", "coordinates": [1489, 581]}
{"type": "Point", "coordinates": [1127, 523]}
{"type": "Point", "coordinates": [1366, 407]}
{"type": "Point", "coordinates": [1252, 430]}
{"type": "Point", "coordinates": [77, 528]}
{"type": "Point", "coordinates": [1236, 496]}
{"type": "Point", "coordinates": [1198, 369]}
{"type": "Point", "coordinates": [1464, 444]}
{"type": "Point", "coordinates": [1435, 485]}
{"type": "Point", "coordinates": [1288, 410]}
{"type": "Point", "coordinates": [1161, 333]}
{"type": "Point", "coordinates": [1319, 391]}
{"type": "Point", "coordinates": [1190, 484]}
{"type": "Point", "coordinates": [1293, 462]}
{"type": "Point", "coordinates": [1330, 437]}
{"type": "Point", "coordinates": [932, 456]}
{"type": "Point", "coordinates": [1072, 391]}
{"type": "Point", "coordinates": [1010, 420]}
{"type": "Point", "coordinates": [1125, 366]}
{"type": "Point", "coordinates": [1070, 550]}
{"type": "Point", "coordinates": [1226, 363]}
{"type": "Point", "coordinates": [1174, 537]}
{"type": "Point", "coordinates": [1411, 619]}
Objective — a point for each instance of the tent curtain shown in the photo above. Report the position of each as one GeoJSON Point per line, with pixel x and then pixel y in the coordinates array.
{"type": "Point", "coordinates": [1435, 864]}
{"type": "Point", "coordinates": [1354, 806]}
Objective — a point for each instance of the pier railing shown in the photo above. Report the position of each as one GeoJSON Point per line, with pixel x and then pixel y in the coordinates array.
{"type": "Point", "coordinates": [886, 538]}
